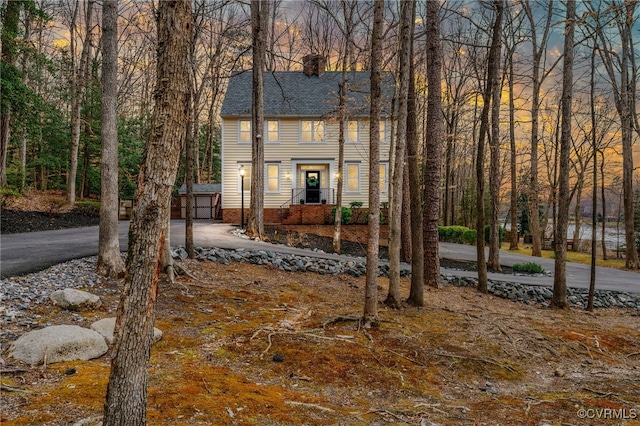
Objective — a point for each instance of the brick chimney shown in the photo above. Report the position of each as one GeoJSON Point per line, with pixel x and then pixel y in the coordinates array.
{"type": "Point", "coordinates": [313, 64]}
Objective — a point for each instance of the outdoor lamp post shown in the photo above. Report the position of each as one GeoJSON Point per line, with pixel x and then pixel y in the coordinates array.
{"type": "Point", "coordinates": [242, 172]}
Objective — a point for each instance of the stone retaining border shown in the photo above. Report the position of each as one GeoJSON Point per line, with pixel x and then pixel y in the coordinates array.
{"type": "Point", "coordinates": [529, 294]}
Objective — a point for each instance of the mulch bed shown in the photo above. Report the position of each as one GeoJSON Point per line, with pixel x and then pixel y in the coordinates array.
{"type": "Point", "coordinates": [17, 221]}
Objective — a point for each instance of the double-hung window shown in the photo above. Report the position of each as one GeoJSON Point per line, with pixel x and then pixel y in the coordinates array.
{"type": "Point", "coordinates": [312, 131]}
{"type": "Point", "coordinates": [271, 131]}
{"type": "Point", "coordinates": [272, 177]}
{"type": "Point", "coordinates": [352, 132]}
{"type": "Point", "coordinates": [352, 175]}
{"type": "Point", "coordinates": [244, 131]}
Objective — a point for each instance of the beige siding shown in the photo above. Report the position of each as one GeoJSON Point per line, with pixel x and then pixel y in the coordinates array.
{"type": "Point", "coordinates": [289, 153]}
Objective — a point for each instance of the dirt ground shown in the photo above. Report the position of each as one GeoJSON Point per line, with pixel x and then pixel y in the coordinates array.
{"type": "Point", "coordinates": [246, 344]}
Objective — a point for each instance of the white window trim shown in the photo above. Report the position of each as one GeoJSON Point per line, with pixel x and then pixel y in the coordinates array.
{"type": "Point", "coordinates": [247, 179]}
{"type": "Point", "coordinates": [266, 132]}
{"type": "Point", "coordinates": [346, 131]}
{"type": "Point", "coordinates": [240, 141]}
{"type": "Point", "coordinates": [346, 174]}
{"type": "Point", "coordinates": [266, 180]}
{"type": "Point", "coordinates": [313, 131]}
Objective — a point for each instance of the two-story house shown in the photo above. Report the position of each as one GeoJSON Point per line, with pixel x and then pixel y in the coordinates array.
{"type": "Point", "coordinates": [300, 138]}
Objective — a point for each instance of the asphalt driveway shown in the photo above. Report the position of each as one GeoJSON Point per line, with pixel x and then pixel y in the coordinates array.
{"type": "Point", "coordinates": [30, 252]}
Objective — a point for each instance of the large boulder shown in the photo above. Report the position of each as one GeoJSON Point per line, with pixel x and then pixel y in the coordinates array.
{"type": "Point", "coordinates": [75, 300]}
{"type": "Point", "coordinates": [107, 326]}
{"type": "Point", "coordinates": [58, 343]}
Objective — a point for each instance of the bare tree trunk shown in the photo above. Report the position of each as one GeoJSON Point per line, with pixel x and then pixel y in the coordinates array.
{"type": "Point", "coordinates": [604, 207]}
{"type": "Point", "coordinates": [337, 225]}
{"type": "Point", "coordinates": [537, 53]}
{"type": "Point", "coordinates": [25, 79]}
{"type": "Point", "coordinates": [492, 71]}
{"type": "Point", "coordinates": [259, 26]}
{"type": "Point", "coordinates": [513, 244]}
{"type": "Point", "coordinates": [370, 314]}
{"type": "Point", "coordinates": [577, 215]}
{"type": "Point", "coordinates": [405, 218]}
{"type": "Point", "coordinates": [494, 167]}
{"type": "Point", "coordinates": [433, 149]}
{"type": "Point", "coordinates": [594, 192]}
{"type": "Point", "coordinates": [8, 50]}
{"type": "Point", "coordinates": [80, 85]}
{"type": "Point", "coordinates": [188, 177]}
{"type": "Point", "coordinates": [126, 401]}
{"type": "Point", "coordinates": [560, 270]}
{"type": "Point", "coordinates": [393, 297]}
{"type": "Point", "coordinates": [617, 60]}
{"type": "Point", "coordinates": [110, 261]}
{"type": "Point", "coordinates": [416, 292]}
{"type": "Point", "coordinates": [629, 112]}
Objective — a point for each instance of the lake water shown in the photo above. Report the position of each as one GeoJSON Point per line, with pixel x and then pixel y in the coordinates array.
{"type": "Point", "coordinates": [613, 237]}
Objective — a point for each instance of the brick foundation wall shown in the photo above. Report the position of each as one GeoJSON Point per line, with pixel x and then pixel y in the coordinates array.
{"type": "Point", "coordinates": [297, 214]}
{"type": "Point", "coordinates": [355, 233]}
{"type": "Point", "coordinates": [233, 216]}
{"type": "Point", "coordinates": [270, 216]}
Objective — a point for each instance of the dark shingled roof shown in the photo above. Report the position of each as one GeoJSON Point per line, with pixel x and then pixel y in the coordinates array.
{"type": "Point", "coordinates": [202, 188]}
{"type": "Point", "coordinates": [295, 94]}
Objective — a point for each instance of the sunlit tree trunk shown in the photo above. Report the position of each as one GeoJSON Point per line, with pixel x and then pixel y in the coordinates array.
{"type": "Point", "coordinates": [560, 270]}
{"type": "Point", "coordinates": [110, 261]}
{"type": "Point", "coordinates": [370, 315]}
{"type": "Point", "coordinates": [126, 401]}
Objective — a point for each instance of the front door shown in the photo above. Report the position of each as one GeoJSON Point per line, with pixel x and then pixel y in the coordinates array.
{"type": "Point", "coordinates": [312, 186]}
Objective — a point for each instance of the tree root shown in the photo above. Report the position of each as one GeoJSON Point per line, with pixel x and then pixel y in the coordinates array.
{"type": "Point", "coordinates": [6, 388]}
{"type": "Point", "coordinates": [342, 318]}
{"type": "Point", "coordinates": [182, 271]}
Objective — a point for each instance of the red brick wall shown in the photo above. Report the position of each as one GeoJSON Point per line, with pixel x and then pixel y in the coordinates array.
{"type": "Point", "coordinates": [355, 233]}
{"type": "Point", "coordinates": [270, 216]}
{"type": "Point", "coordinates": [297, 214]}
{"type": "Point", "coordinates": [233, 215]}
